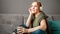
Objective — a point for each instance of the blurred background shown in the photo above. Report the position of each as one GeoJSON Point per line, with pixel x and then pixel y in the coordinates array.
{"type": "Point", "coordinates": [15, 12]}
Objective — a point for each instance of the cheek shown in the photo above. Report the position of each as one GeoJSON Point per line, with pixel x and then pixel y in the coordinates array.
{"type": "Point", "coordinates": [36, 8]}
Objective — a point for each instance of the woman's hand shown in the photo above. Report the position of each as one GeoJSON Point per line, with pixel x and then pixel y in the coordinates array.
{"type": "Point", "coordinates": [30, 11]}
{"type": "Point", "coordinates": [22, 30]}
{"type": "Point", "coordinates": [19, 30]}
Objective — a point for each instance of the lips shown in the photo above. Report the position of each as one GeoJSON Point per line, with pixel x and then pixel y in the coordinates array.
{"type": "Point", "coordinates": [33, 10]}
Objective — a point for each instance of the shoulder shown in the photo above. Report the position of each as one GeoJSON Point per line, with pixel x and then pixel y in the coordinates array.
{"type": "Point", "coordinates": [42, 14]}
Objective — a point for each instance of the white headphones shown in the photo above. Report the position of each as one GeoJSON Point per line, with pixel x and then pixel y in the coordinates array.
{"type": "Point", "coordinates": [41, 8]}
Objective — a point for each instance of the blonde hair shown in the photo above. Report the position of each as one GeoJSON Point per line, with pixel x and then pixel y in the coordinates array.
{"type": "Point", "coordinates": [39, 3]}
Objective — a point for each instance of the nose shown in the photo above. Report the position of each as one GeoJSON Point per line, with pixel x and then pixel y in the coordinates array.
{"type": "Point", "coordinates": [32, 7]}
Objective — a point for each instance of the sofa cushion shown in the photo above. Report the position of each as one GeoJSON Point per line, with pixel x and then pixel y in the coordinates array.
{"type": "Point", "coordinates": [55, 26]}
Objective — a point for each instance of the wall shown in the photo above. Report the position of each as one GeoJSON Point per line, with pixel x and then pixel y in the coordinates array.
{"type": "Point", "coordinates": [51, 7]}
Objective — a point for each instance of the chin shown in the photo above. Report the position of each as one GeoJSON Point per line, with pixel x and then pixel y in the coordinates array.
{"type": "Point", "coordinates": [33, 12]}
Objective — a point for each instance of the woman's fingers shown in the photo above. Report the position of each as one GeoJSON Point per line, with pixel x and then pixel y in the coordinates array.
{"type": "Point", "coordinates": [19, 29]}
{"type": "Point", "coordinates": [30, 10]}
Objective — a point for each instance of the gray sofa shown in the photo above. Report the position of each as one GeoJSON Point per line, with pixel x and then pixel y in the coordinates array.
{"type": "Point", "coordinates": [8, 22]}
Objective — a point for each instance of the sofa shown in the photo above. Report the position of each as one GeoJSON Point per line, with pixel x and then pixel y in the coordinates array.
{"type": "Point", "coordinates": [9, 22]}
{"type": "Point", "coordinates": [54, 26]}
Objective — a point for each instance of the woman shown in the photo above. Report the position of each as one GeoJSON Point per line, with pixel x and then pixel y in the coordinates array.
{"type": "Point", "coordinates": [37, 20]}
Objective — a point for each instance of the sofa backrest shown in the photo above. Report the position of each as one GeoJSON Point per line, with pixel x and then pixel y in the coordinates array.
{"type": "Point", "coordinates": [8, 22]}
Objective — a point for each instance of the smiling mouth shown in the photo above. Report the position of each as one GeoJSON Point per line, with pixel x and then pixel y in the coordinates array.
{"type": "Point", "coordinates": [33, 10]}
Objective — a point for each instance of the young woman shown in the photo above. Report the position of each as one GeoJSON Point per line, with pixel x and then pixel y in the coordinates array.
{"type": "Point", "coordinates": [37, 20]}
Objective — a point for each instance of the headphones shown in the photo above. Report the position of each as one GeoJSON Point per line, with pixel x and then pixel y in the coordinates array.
{"type": "Point", "coordinates": [41, 8]}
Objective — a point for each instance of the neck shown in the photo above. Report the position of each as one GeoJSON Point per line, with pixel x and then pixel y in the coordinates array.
{"type": "Point", "coordinates": [36, 14]}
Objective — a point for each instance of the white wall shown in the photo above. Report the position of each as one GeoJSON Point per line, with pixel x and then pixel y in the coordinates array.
{"type": "Point", "coordinates": [51, 7]}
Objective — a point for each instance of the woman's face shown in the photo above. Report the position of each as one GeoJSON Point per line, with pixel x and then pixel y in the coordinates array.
{"type": "Point", "coordinates": [34, 7]}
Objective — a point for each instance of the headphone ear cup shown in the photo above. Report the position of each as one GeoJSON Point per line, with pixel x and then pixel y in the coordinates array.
{"type": "Point", "coordinates": [41, 8]}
